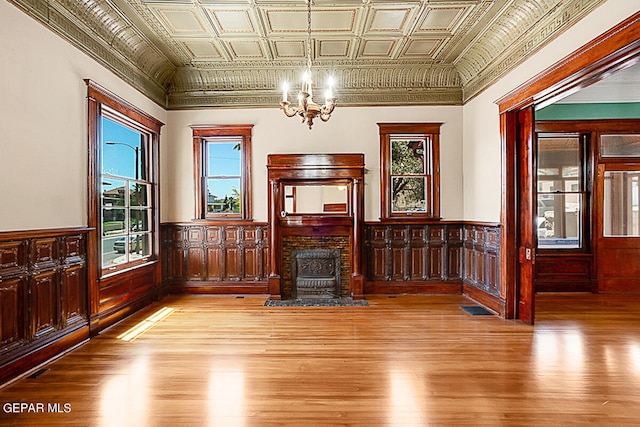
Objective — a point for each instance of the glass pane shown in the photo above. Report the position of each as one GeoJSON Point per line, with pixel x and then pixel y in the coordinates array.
{"type": "Point", "coordinates": [313, 199]}
{"type": "Point", "coordinates": [559, 221]}
{"type": "Point", "coordinates": [621, 216]}
{"type": "Point", "coordinates": [140, 220]}
{"type": "Point", "coordinates": [113, 251]}
{"type": "Point", "coordinates": [223, 196]}
{"type": "Point", "coordinates": [113, 221]}
{"type": "Point", "coordinates": [548, 171]}
{"type": "Point", "coordinates": [559, 154]}
{"type": "Point", "coordinates": [408, 194]}
{"type": "Point", "coordinates": [113, 192]}
{"type": "Point", "coordinates": [139, 194]}
{"type": "Point", "coordinates": [407, 157]}
{"type": "Point", "coordinates": [123, 151]}
{"type": "Point", "coordinates": [140, 246]}
{"type": "Point", "coordinates": [223, 158]}
{"type": "Point", "coordinates": [620, 145]}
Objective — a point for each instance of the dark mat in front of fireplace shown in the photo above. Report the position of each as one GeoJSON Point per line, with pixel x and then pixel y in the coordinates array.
{"type": "Point", "coordinates": [317, 302]}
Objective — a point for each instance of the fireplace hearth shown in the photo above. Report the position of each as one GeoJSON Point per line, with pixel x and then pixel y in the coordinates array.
{"type": "Point", "coordinates": [316, 273]}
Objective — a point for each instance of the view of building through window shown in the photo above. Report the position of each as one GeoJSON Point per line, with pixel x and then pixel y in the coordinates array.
{"type": "Point", "coordinates": [125, 194]}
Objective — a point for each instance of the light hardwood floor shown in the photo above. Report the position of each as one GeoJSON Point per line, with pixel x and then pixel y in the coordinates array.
{"type": "Point", "coordinates": [404, 361]}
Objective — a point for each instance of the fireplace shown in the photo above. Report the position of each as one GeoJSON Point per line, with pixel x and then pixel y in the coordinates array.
{"type": "Point", "coordinates": [316, 273]}
{"type": "Point", "coordinates": [315, 250]}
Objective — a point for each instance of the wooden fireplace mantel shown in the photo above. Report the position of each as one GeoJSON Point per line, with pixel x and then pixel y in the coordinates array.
{"type": "Point", "coordinates": [316, 169]}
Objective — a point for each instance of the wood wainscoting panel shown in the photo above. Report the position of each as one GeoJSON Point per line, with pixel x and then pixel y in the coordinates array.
{"type": "Point", "coordinates": [413, 258]}
{"type": "Point", "coordinates": [564, 273]}
{"type": "Point", "coordinates": [43, 296]}
{"type": "Point", "coordinates": [215, 257]}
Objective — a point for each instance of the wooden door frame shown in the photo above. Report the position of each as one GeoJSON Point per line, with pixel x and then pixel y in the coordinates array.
{"type": "Point", "coordinates": [614, 50]}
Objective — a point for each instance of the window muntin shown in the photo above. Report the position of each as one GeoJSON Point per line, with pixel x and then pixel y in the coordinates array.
{"type": "Point", "coordinates": [410, 170]}
{"type": "Point", "coordinates": [126, 214]}
{"type": "Point", "coordinates": [561, 196]}
{"type": "Point", "coordinates": [222, 158]}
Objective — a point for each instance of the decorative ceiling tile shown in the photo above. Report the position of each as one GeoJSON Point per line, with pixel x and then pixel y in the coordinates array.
{"type": "Point", "coordinates": [389, 19]}
{"type": "Point", "coordinates": [246, 49]}
{"type": "Point", "coordinates": [421, 47]}
{"type": "Point", "coordinates": [289, 49]}
{"type": "Point", "coordinates": [231, 21]}
{"type": "Point", "coordinates": [181, 21]}
{"type": "Point", "coordinates": [238, 52]}
{"type": "Point", "coordinates": [377, 48]}
{"type": "Point", "coordinates": [202, 50]}
{"type": "Point", "coordinates": [333, 48]}
{"type": "Point", "coordinates": [441, 19]}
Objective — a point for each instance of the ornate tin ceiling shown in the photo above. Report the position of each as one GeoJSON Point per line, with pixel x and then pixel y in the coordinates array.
{"type": "Point", "coordinates": [236, 53]}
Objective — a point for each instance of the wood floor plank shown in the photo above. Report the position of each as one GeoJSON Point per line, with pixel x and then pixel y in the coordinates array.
{"type": "Point", "coordinates": [404, 361]}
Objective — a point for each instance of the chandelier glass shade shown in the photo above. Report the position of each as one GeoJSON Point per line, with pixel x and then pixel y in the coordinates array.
{"type": "Point", "coordinates": [307, 109]}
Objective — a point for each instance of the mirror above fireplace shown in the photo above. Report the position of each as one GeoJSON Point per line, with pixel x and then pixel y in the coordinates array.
{"type": "Point", "coordinates": [315, 199]}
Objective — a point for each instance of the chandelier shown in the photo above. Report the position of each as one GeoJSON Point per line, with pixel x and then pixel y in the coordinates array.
{"type": "Point", "coordinates": [307, 108]}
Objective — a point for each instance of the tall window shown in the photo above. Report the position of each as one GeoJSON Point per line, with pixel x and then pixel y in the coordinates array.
{"type": "Point", "coordinates": [561, 191]}
{"type": "Point", "coordinates": [222, 156]}
{"type": "Point", "coordinates": [123, 171]}
{"type": "Point", "coordinates": [410, 172]}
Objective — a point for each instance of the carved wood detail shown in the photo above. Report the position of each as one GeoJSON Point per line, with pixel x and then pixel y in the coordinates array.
{"type": "Point", "coordinates": [43, 296]}
{"type": "Point", "coordinates": [215, 257]}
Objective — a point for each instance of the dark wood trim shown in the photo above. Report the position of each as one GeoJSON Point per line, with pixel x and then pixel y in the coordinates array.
{"type": "Point", "coordinates": [431, 130]}
{"type": "Point", "coordinates": [614, 50]}
{"type": "Point", "coordinates": [43, 296]}
{"type": "Point", "coordinates": [99, 98]}
{"type": "Point", "coordinates": [413, 288]}
{"type": "Point", "coordinates": [508, 215]}
{"type": "Point", "coordinates": [218, 288]}
{"type": "Point", "coordinates": [34, 234]}
{"type": "Point", "coordinates": [589, 126]}
{"type": "Point", "coordinates": [490, 301]}
{"type": "Point", "coordinates": [200, 133]}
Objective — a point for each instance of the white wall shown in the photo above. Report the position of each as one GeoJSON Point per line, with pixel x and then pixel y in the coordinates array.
{"type": "Point", "coordinates": [481, 134]}
{"type": "Point", "coordinates": [350, 130]}
{"type": "Point", "coordinates": [43, 124]}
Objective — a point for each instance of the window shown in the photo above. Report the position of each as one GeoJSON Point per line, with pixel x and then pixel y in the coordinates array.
{"type": "Point", "coordinates": [222, 157]}
{"type": "Point", "coordinates": [123, 188]}
{"type": "Point", "coordinates": [621, 195]}
{"type": "Point", "coordinates": [410, 171]}
{"type": "Point", "coordinates": [561, 195]}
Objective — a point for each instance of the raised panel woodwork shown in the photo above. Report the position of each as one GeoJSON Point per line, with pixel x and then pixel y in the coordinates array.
{"type": "Point", "coordinates": [214, 263]}
{"type": "Point", "coordinates": [555, 273]}
{"type": "Point", "coordinates": [232, 263]}
{"type": "Point", "coordinates": [417, 269]}
{"type": "Point", "coordinates": [214, 234]}
{"type": "Point", "coordinates": [251, 265]}
{"type": "Point", "coordinates": [13, 257]}
{"type": "Point", "coordinates": [43, 296]}
{"type": "Point", "coordinates": [12, 313]}
{"type": "Point", "coordinates": [398, 269]}
{"type": "Point", "coordinates": [195, 262]}
{"type": "Point", "coordinates": [74, 299]}
{"type": "Point", "coordinates": [44, 253]}
{"type": "Point", "coordinates": [436, 234]}
{"type": "Point", "coordinates": [377, 263]}
{"type": "Point", "coordinates": [228, 256]}
{"type": "Point", "coordinates": [454, 262]}
{"type": "Point", "coordinates": [435, 261]}
{"type": "Point", "coordinates": [43, 291]}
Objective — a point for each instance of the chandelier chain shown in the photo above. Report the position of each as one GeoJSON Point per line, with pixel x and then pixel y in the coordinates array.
{"type": "Point", "coordinates": [309, 35]}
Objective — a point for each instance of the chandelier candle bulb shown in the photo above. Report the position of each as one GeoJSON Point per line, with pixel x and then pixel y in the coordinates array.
{"type": "Point", "coordinates": [285, 88]}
